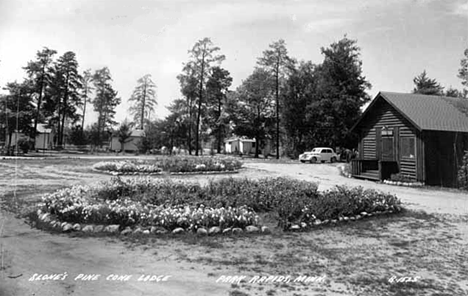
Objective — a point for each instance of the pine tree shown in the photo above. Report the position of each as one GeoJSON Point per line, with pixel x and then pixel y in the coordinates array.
{"type": "Point", "coordinates": [216, 88]}
{"type": "Point", "coordinates": [276, 61]}
{"type": "Point", "coordinates": [39, 73]}
{"type": "Point", "coordinates": [202, 56]}
{"type": "Point", "coordinates": [105, 102]}
{"type": "Point", "coordinates": [143, 100]}
{"type": "Point", "coordinates": [427, 86]}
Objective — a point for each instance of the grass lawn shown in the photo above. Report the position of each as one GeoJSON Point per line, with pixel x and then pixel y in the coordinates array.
{"type": "Point", "coordinates": [354, 258]}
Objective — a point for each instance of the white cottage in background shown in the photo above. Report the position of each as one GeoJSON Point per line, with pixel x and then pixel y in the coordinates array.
{"type": "Point", "coordinates": [44, 137]}
{"type": "Point", "coordinates": [239, 145]}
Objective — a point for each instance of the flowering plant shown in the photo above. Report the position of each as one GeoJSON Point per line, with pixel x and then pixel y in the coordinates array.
{"type": "Point", "coordinates": [127, 166]}
{"type": "Point", "coordinates": [227, 202]}
{"type": "Point", "coordinates": [81, 204]}
{"type": "Point", "coordinates": [171, 164]}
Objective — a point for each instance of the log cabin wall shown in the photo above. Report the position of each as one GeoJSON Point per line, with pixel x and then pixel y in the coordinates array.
{"type": "Point", "coordinates": [384, 115]}
{"type": "Point", "coordinates": [444, 154]}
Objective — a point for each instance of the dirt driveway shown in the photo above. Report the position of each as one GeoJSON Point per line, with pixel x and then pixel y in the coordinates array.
{"type": "Point", "coordinates": [356, 259]}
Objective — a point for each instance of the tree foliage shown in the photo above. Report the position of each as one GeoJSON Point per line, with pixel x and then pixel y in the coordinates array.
{"type": "Point", "coordinates": [340, 94]}
{"type": "Point", "coordinates": [124, 134]}
{"type": "Point", "coordinates": [188, 85]}
{"type": "Point", "coordinates": [299, 92]}
{"type": "Point", "coordinates": [64, 98]}
{"type": "Point", "coordinates": [143, 100]}
{"type": "Point", "coordinates": [252, 108]}
{"type": "Point", "coordinates": [276, 61]}
{"type": "Point", "coordinates": [217, 88]}
{"type": "Point", "coordinates": [39, 72]}
{"type": "Point", "coordinates": [463, 73]}
{"type": "Point", "coordinates": [202, 57]}
{"type": "Point", "coordinates": [427, 86]}
{"type": "Point", "coordinates": [17, 109]}
{"type": "Point", "coordinates": [87, 88]}
{"type": "Point", "coordinates": [105, 102]}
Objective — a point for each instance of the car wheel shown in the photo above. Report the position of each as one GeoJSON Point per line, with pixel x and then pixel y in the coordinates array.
{"type": "Point", "coordinates": [313, 160]}
{"type": "Point", "coordinates": [303, 161]}
{"type": "Point", "coordinates": [333, 159]}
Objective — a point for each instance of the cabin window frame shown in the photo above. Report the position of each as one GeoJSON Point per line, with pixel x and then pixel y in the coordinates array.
{"type": "Point", "coordinates": [404, 150]}
{"type": "Point", "coordinates": [387, 139]}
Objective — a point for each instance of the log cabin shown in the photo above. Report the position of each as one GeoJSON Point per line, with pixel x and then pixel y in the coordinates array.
{"type": "Point", "coordinates": [420, 137]}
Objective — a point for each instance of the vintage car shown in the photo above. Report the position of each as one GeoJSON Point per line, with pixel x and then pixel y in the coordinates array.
{"type": "Point", "coordinates": [319, 154]}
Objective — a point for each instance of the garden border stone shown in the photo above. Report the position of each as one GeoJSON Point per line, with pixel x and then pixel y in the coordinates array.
{"type": "Point", "coordinates": [115, 228]}
{"type": "Point", "coordinates": [400, 183]}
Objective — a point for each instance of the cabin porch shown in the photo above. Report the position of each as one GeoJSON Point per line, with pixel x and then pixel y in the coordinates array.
{"type": "Point", "coordinates": [373, 169]}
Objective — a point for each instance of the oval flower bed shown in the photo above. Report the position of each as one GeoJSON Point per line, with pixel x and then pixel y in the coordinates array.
{"type": "Point", "coordinates": [226, 205]}
{"type": "Point", "coordinates": [126, 167]}
{"type": "Point", "coordinates": [173, 165]}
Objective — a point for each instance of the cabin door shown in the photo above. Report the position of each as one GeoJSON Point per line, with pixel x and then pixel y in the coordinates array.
{"type": "Point", "coordinates": [387, 145]}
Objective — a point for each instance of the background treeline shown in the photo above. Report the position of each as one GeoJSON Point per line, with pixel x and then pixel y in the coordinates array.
{"type": "Point", "coordinates": [56, 94]}
{"type": "Point", "coordinates": [292, 105]}
{"type": "Point", "coordinates": [287, 106]}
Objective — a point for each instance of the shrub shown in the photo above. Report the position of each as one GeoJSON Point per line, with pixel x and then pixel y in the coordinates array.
{"type": "Point", "coordinates": [78, 136]}
{"type": "Point", "coordinates": [463, 173]}
{"type": "Point", "coordinates": [342, 201]}
{"type": "Point", "coordinates": [399, 177]}
{"type": "Point", "coordinates": [24, 145]}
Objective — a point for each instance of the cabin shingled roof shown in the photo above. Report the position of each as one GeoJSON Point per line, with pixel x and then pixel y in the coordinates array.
{"type": "Point", "coordinates": [437, 113]}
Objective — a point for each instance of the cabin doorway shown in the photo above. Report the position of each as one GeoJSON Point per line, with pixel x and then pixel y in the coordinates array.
{"type": "Point", "coordinates": [386, 147]}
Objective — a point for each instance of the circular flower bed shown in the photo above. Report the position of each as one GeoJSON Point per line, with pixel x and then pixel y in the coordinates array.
{"type": "Point", "coordinates": [226, 205]}
{"type": "Point", "coordinates": [172, 165]}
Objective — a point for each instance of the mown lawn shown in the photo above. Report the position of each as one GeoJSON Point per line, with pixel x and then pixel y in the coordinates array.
{"type": "Point", "coordinates": [357, 258]}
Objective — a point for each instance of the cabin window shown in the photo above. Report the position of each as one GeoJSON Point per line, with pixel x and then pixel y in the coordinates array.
{"type": "Point", "coordinates": [408, 147]}
{"type": "Point", "coordinates": [387, 144]}
{"type": "Point", "coordinates": [253, 144]}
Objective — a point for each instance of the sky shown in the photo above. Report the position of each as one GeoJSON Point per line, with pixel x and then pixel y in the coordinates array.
{"type": "Point", "coordinates": [398, 38]}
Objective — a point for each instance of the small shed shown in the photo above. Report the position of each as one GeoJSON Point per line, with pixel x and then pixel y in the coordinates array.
{"type": "Point", "coordinates": [240, 145]}
{"type": "Point", "coordinates": [131, 144]}
{"type": "Point", "coordinates": [44, 137]}
{"type": "Point", "coordinates": [419, 136]}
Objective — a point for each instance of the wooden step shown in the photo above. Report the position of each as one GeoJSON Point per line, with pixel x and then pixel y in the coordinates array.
{"type": "Point", "coordinates": [369, 175]}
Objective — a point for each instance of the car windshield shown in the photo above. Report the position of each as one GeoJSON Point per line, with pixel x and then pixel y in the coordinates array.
{"type": "Point", "coordinates": [315, 150]}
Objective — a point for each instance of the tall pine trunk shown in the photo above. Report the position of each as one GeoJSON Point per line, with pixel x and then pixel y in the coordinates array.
{"type": "Point", "coordinates": [277, 111]}
{"type": "Point", "coordinates": [200, 99]}
{"type": "Point", "coordinates": [39, 102]}
{"type": "Point", "coordinates": [61, 126]}
{"type": "Point", "coordinates": [84, 108]}
{"type": "Point", "coordinates": [142, 119]}
{"type": "Point", "coordinates": [189, 104]}
{"type": "Point", "coordinates": [219, 126]}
